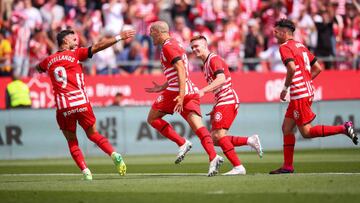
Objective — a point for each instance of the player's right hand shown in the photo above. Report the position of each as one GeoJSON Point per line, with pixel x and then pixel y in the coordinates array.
{"type": "Point", "coordinates": [283, 95]}
{"type": "Point", "coordinates": [156, 88]}
{"type": "Point", "coordinates": [127, 34]}
{"type": "Point", "coordinates": [179, 104]}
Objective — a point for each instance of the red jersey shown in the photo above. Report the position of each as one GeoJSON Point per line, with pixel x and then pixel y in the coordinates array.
{"type": "Point", "coordinates": [224, 94]}
{"type": "Point", "coordinates": [67, 77]}
{"type": "Point", "coordinates": [301, 85]}
{"type": "Point", "coordinates": [171, 52]}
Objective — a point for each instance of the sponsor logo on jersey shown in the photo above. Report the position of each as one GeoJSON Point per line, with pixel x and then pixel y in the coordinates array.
{"type": "Point", "coordinates": [76, 110]}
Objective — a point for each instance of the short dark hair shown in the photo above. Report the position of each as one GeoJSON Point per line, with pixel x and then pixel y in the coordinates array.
{"type": "Point", "coordinates": [61, 35]}
{"type": "Point", "coordinates": [197, 38]}
{"type": "Point", "coordinates": [285, 23]}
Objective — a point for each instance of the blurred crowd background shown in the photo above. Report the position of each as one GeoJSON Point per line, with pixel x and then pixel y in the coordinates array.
{"type": "Point", "coordinates": [241, 31]}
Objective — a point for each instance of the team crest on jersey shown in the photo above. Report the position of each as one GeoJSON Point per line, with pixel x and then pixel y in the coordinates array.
{"type": "Point", "coordinates": [218, 116]}
{"type": "Point", "coordinates": [159, 99]}
{"type": "Point", "coordinates": [296, 114]}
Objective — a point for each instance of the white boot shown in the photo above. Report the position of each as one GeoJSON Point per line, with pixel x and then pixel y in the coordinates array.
{"type": "Point", "coordinates": [237, 170]}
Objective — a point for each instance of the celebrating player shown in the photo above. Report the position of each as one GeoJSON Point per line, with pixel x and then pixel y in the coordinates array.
{"type": "Point", "coordinates": [217, 75]}
{"type": "Point", "coordinates": [180, 95]}
{"type": "Point", "coordinates": [302, 68]}
{"type": "Point", "coordinates": [72, 103]}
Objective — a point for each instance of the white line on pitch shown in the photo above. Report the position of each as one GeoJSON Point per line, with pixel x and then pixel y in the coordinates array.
{"type": "Point", "coordinates": [160, 174]}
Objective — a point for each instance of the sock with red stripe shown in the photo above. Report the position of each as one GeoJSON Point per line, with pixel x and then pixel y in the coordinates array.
{"type": "Point", "coordinates": [228, 149]}
{"type": "Point", "coordinates": [76, 154]}
{"type": "Point", "coordinates": [102, 142]}
{"type": "Point", "coordinates": [289, 144]}
{"type": "Point", "coordinates": [206, 142]}
{"type": "Point", "coordinates": [323, 130]}
{"type": "Point", "coordinates": [168, 131]}
{"type": "Point", "coordinates": [238, 141]}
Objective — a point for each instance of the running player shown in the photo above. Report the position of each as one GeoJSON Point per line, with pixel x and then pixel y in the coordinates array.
{"type": "Point", "coordinates": [179, 95]}
{"type": "Point", "coordinates": [217, 75]}
{"type": "Point", "coordinates": [302, 68]}
{"type": "Point", "coordinates": [72, 103]}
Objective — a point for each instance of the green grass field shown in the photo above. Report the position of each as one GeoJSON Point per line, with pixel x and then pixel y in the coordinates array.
{"type": "Point", "coordinates": [321, 176]}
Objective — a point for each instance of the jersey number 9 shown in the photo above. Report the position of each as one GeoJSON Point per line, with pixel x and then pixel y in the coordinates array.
{"type": "Point", "coordinates": [60, 75]}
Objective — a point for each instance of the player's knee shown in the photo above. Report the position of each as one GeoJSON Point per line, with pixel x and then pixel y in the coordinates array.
{"type": "Point", "coordinates": [305, 134]}
{"type": "Point", "coordinates": [215, 141]}
{"type": "Point", "coordinates": [216, 136]}
{"type": "Point", "coordinates": [149, 120]}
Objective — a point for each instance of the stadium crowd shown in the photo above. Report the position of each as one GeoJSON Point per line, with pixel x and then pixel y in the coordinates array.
{"type": "Point", "coordinates": [241, 31]}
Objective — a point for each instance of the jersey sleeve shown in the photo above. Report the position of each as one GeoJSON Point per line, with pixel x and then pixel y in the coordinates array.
{"type": "Point", "coordinates": [43, 65]}
{"type": "Point", "coordinates": [286, 55]}
{"type": "Point", "coordinates": [217, 65]}
{"type": "Point", "coordinates": [172, 53]}
{"type": "Point", "coordinates": [83, 53]}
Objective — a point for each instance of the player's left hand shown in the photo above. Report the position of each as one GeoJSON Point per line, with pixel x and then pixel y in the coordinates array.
{"type": "Point", "coordinates": [179, 104]}
{"type": "Point", "coordinates": [283, 95]}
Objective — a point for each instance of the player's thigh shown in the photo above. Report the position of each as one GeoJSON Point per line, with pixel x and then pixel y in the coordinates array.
{"type": "Point", "coordinates": [66, 121]}
{"type": "Point", "coordinates": [194, 120]}
{"type": "Point", "coordinates": [300, 111]}
{"type": "Point", "coordinates": [70, 136]}
{"type": "Point", "coordinates": [155, 114]}
{"type": "Point", "coordinates": [86, 117]}
{"type": "Point", "coordinates": [191, 112]}
{"type": "Point", "coordinates": [223, 116]}
{"type": "Point", "coordinates": [165, 102]}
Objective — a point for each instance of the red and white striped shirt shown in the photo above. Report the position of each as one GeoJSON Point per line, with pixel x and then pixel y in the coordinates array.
{"type": "Point", "coordinates": [21, 38]}
{"type": "Point", "coordinates": [224, 94]}
{"type": "Point", "coordinates": [301, 85]}
{"type": "Point", "coordinates": [67, 78]}
{"type": "Point", "coordinates": [171, 52]}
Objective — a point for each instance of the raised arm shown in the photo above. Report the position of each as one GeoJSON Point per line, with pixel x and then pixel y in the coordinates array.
{"type": "Point", "coordinates": [109, 41]}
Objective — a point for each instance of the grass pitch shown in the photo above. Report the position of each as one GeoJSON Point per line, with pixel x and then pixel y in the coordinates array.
{"type": "Point", "coordinates": [321, 176]}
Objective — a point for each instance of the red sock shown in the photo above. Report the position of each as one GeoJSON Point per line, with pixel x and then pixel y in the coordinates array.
{"type": "Point", "coordinates": [228, 149]}
{"type": "Point", "coordinates": [77, 154]}
{"type": "Point", "coordinates": [168, 131]}
{"type": "Point", "coordinates": [237, 141]}
{"type": "Point", "coordinates": [323, 130]}
{"type": "Point", "coordinates": [102, 142]}
{"type": "Point", "coordinates": [289, 144]}
{"type": "Point", "coordinates": [206, 142]}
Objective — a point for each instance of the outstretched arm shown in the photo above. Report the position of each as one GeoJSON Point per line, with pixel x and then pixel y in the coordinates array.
{"type": "Point", "coordinates": [109, 41]}
{"type": "Point", "coordinates": [156, 87]}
